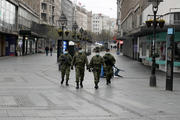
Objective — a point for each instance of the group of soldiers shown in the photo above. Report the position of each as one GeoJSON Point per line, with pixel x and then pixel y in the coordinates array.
{"type": "Point", "coordinates": [79, 61]}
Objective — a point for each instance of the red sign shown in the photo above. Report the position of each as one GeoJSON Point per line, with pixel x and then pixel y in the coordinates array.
{"type": "Point", "coordinates": [121, 42]}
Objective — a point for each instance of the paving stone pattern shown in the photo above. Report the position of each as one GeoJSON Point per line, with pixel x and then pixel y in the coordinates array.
{"type": "Point", "coordinates": [30, 90]}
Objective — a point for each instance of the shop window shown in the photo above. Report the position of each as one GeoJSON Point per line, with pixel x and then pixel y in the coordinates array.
{"type": "Point", "coordinates": [176, 18]}
{"type": "Point", "coordinates": [177, 51]}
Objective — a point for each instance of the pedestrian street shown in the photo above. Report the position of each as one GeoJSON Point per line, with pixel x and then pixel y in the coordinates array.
{"type": "Point", "coordinates": [30, 90]}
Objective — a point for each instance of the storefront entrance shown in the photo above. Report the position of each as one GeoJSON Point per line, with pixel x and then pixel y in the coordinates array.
{"type": "Point", "coordinates": [2, 46]}
{"type": "Point", "coordinates": [11, 45]}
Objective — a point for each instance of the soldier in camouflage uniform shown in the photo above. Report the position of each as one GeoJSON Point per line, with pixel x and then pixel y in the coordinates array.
{"type": "Point", "coordinates": [65, 64]}
{"type": "Point", "coordinates": [109, 61]}
{"type": "Point", "coordinates": [79, 61]}
{"type": "Point", "coordinates": [96, 63]}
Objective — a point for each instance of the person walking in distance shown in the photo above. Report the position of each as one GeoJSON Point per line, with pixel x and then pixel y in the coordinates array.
{"type": "Point", "coordinates": [96, 63]}
{"type": "Point", "coordinates": [47, 50]}
{"type": "Point", "coordinates": [109, 62]}
{"type": "Point", "coordinates": [65, 63]}
{"type": "Point", "coordinates": [51, 50]}
{"type": "Point", "coordinates": [79, 61]}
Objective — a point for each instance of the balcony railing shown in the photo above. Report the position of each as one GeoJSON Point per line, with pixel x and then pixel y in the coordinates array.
{"type": "Point", "coordinates": [44, 10]}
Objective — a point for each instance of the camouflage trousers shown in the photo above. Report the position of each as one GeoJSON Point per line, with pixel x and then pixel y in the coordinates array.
{"type": "Point", "coordinates": [65, 71]}
{"type": "Point", "coordinates": [96, 73]}
{"type": "Point", "coordinates": [79, 74]}
{"type": "Point", "coordinates": [109, 72]}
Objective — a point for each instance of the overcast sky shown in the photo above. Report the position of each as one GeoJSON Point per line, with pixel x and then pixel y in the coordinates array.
{"type": "Point", "coordinates": [107, 7]}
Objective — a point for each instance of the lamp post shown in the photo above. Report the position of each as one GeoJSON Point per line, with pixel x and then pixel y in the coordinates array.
{"type": "Point", "coordinates": [63, 23]}
{"type": "Point", "coordinates": [81, 31]}
{"type": "Point", "coordinates": [155, 4]}
{"type": "Point", "coordinates": [153, 69]}
{"type": "Point", "coordinates": [75, 27]}
{"type": "Point", "coordinates": [85, 38]}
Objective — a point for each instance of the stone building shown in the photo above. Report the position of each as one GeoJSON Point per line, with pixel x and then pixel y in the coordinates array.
{"type": "Point", "coordinates": [49, 10]}
{"type": "Point", "coordinates": [138, 37]}
{"type": "Point", "coordinates": [8, 27]}
{"type": "Point", "coordinates": [89, 25]}
{"type": "Point", "coordinates": [101, 22]}
{"type": "Point", "coordinates": [97, 23]}
{"type": "Point", "coordinates": [67, 9]}
{"type": "Point", "coordinates": [130, 19]}
{"type": "Point", "coordinates": [82, 17]}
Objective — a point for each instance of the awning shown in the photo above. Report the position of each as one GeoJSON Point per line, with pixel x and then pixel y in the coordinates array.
{"type": "Point", "coordinates": [30, 33]}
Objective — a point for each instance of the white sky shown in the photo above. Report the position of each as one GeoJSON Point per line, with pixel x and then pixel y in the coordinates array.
{"type": "Point", "coordinates": [106, 7]}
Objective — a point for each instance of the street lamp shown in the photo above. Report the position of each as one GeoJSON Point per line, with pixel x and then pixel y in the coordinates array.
{"type": "Point", "coordinates": [85, 38]}
{"type": "Point", "coordinates": [75, 27]}
{"type": "Point", "coordinates": [81, 31]}
{"type": "Point", "coordinates": [155, 4]}
{"type": "Point", "coordinates": [63, 23]}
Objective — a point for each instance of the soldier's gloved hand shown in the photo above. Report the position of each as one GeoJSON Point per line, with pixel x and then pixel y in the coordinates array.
{"type": "Point", "coordinates": [71, 67]}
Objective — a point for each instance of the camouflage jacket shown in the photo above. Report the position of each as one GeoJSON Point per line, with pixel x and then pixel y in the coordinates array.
{"type": "Point", "coordinates": [109, 60]}
{"type": "Point", "coordinates": [65, 60]}
{"type": "Point", "coordinates": [96, 62]}
{"type": "Point", "coordinates": [80, 60]}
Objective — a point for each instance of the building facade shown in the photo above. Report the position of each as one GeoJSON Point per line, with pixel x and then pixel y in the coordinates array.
{"type": "Point", "coordinates": [89, 26]}
{"type": "Point", "coordinates": [67, 9]}
{"type": "Point", "coordinates": [58, 11]}
{"type": "Point", "coordinates": [49, 10]}
{"type": "Point", "coordinates": [82, 17]}
{"type": "Point", "coordinates": [118, 22]}
{"type": "Point", "coordinates": [97, 23]}
{"type": "Point", "coordinates": [28, 27]}
{"type": "Point", "coordinates": [101, 22]}
{"type": "Point", "coordinates": [8, 27]}
{"type": "Point", "coordinates": [138, 37]}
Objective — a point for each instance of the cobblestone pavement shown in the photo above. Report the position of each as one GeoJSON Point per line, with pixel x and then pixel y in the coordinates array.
{"type": "Point", "coordinates": [30, 90]}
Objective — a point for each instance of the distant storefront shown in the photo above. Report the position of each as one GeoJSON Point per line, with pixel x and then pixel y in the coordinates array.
{"type": "Point", "coordinates": [8, 28]}
{"type": "Point", "coordinates": [146, 55]}
{"type": "Point", "coordinates": [11, 45]}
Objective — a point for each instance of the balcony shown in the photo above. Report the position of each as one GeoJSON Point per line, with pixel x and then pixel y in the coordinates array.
{"type": "Point", "coordinates": [44, 17]}
{"type": "Point", "coordinates": [44, 11]}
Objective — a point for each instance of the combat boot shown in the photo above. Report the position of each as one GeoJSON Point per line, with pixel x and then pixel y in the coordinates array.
{"type": "Point", "coordinates": [67, 84]}
{"type": "Point", "coordinates": [62, 81]}
{"type": "Point", "coordinates": [81, 84]}
{"type": "Point", "coordinates": [77, 85]}
{"type": "Point", "coordinates": [108, 82]}
{"type": "Point", "coordinates": [96, 86]}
